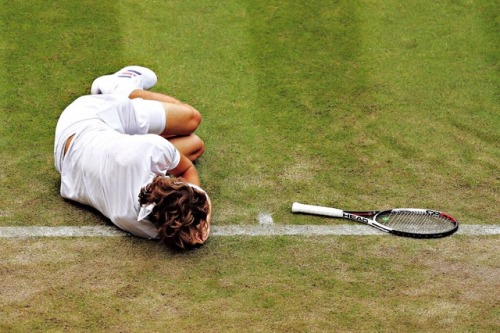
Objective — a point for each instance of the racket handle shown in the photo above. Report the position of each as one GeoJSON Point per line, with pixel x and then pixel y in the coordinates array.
{"type": "Point", "coordinates": [316, 210]}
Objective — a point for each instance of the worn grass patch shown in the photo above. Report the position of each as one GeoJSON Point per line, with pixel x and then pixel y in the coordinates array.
{"type": "Point", "coordinates": [284, 284]}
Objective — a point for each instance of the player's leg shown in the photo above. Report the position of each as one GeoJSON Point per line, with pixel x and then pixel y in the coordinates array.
{"type": "Point", "coordinates": [130, 81]}
{"type": "Point", "coordinates": [181, 119]}
{"type": "Point", "coordinates": [191, 145]}
{"type": "Point", "coordinates": [133, 82]}
{"type": "Point", "coordinates": [154, 96]}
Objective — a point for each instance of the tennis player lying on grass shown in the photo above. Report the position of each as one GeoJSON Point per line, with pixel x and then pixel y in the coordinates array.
{"type": "Point", "coordinates": [116, 148]}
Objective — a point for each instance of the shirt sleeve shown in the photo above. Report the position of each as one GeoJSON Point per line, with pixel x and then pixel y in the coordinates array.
{"type": "Point", "coordinates": [165, 156]}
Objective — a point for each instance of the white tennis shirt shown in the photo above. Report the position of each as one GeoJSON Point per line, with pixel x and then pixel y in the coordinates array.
{"type": "Point", "coordinates": [113, 155]}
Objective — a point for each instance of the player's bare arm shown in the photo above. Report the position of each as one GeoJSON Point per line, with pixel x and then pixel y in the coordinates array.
{"type": "Point", "coordinates": [186, 170]}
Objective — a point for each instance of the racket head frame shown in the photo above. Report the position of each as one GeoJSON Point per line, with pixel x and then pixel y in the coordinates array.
{"type": "Point", "coordinates": [370, 217]}
{"type": "Point", "coordinates": [430, 212]}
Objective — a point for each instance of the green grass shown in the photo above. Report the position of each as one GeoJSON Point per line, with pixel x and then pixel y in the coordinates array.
{"type": "Point", "coordinates": [376, 107]}
{"type": "Point", "coordinates": [355, 104]}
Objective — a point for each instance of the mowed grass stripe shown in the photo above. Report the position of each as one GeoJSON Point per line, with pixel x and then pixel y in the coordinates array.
{"type": "Point", "coordinates": [51, 53]}
{"type": "Point", "coordinates": [269, 79]}
{"type": "Point", "coordinates": [435, 110]}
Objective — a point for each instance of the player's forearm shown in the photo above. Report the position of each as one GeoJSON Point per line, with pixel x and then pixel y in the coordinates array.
{"type": "Point", "coordinates": [186, 170]}
{"type": "Point", "coordinates": [191, 175]}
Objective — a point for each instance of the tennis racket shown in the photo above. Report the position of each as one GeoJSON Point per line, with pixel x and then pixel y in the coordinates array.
{"type": "Point", "coordinates": [407, 222]}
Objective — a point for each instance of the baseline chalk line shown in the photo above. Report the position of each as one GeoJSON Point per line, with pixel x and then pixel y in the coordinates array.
{"type": "Point", "coordinates": [263, 229]}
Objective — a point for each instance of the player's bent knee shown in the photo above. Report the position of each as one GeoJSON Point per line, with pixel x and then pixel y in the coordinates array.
{"type": "Point", "coordinates": [191, 121]}
{"type": "Point", "coordinates": [198, 144]}
{"type": "Point", "coordinates": [195, 119]}
{"type": "Point", "coordinates": [182, 119]}
{"type": "Point", "coordinates": [196, 147]}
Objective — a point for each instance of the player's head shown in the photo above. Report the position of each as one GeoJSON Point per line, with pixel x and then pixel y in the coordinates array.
{"type": "Point", "coordinates": [181, 211]}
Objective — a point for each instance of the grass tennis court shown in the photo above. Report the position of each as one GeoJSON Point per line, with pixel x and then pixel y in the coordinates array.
{"type": "Point", "coordinates": [355, 104]}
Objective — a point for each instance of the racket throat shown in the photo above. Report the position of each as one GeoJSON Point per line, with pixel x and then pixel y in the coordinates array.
{"type": "Point", "coordinates": [356, 218]}
{"type": "Point", "coordinates": [365, 220]}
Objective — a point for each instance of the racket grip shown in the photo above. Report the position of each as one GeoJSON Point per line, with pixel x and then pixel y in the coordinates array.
{"type": "Point", "coordinates": [316, 210]}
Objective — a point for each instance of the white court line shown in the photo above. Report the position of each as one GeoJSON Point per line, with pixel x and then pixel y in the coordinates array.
{"type": "Point", "coordinates": [233, 230]}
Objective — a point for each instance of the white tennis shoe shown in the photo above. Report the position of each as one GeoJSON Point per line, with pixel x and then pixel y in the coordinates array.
{"type": "Point", "coordinates": [124, 81]}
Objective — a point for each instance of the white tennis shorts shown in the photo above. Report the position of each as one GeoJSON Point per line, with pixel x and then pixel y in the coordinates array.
{"type": "Point", "coordinates": [107, 112]}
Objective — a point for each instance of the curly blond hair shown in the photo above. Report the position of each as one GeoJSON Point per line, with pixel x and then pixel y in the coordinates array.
{"type": "Point", "coordinates": [180, 212]}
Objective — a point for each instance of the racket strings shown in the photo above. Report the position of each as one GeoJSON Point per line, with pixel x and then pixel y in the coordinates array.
{"type": "Point", "coordinates": [415, 222]}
